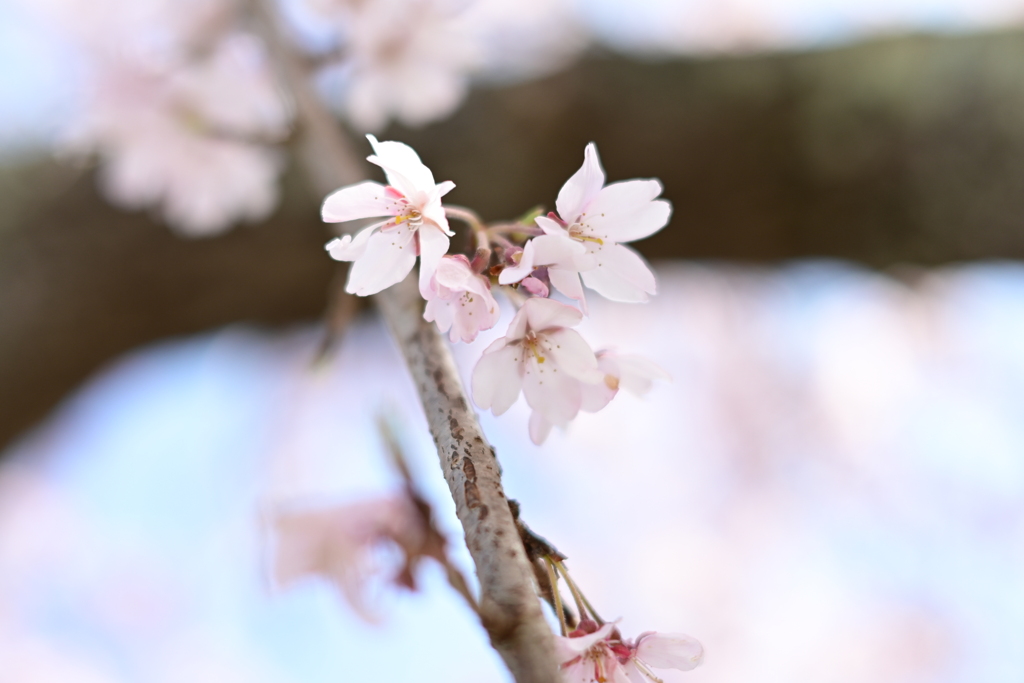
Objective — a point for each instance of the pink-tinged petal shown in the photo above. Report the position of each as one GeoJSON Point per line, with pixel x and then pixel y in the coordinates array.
{"type": "Point", "coordinates": [539, 428]}
{"type": "Point", "coordinates": [349, 248]}
{"type": "Point", "coordinates": [635, 374]}
{"type": "Point", "coordinates": [669, 651]}
{"type": "Point", "coordinates": [542, 314]}
{"type": "Point", "coordinates": [387, 259]}
{"type": "Point", "coordinates": [572, 354]}
{"type": "Point", "coordinates": [551, 226]}
{"type": "Point", "coordinates": [568, 283]}
{"type": "Point", "coordinates": [551, 391]}
{"type": "Point", "coordinates": [455, 273]}
{"type": "Point", "coordinates": [561, 251]}
{"type": "Point", "coordinates": [633, 674]}
{"type": "Point", "coordinates": [434, 213]}
{"type": "Point", "coordinates": [536, 287]}
{"type": "Point", "coordinates": [621, 274]}
{"type": "Point", "coordinates": [517, 328]}
{"type": "Point", "coordinates": [440, 311]}
{"type": "Point", "coordinates": [402, 166]}
{"type": "Point", "coordinates": [433, 246]}
{"type": "Point", "coordinates": [365, 200]}
{"type": "Point", "coordinates": [582, 187]}
{"type": "Point", "coordinates": [443, 188]}
{"type": "Point", "coordinates": [567, 649]}
{"type": "Point", "coordinates": [597, 395]}
{"type": "Point", "coordinates": [497, 377]}
{"type": "Point", "coordinates": [627, 211]}
{"type": "Point", "coordinates": [523, 269]}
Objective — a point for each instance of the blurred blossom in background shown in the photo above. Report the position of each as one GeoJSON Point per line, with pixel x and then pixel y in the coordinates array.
{"type": "Point", "coordinates": [831, 489]}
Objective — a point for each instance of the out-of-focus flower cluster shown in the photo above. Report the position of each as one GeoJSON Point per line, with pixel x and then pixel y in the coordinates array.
{"type": "Point", "coordinates": [179, 103]}
{"type": "Point", "coordinates": [539, 356]}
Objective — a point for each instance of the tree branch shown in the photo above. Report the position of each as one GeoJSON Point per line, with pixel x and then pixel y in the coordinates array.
{"type": "Point", "coordinates": [509, 607]}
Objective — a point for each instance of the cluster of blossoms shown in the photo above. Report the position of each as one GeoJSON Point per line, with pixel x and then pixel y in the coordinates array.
{"type": "Point", "coordinates": [540, 355]}
{"type": "Point", "coordinates": [181, 106]}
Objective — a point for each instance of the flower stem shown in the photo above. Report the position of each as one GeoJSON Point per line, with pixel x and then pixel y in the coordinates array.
{"type": "Point", "coordinates": [470, 218]}
{"type": "Point", "coordinates": [577, 594]}
{"type": "Point", "coordinates": [553, 578]}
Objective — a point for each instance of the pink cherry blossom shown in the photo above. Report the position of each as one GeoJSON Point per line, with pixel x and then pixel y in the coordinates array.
{"type": "Point", "coordinates": [563, 259]}
{"type": "Point", "coordinates": [592, 656]}
{"type": "Point", "coordinates": [540, 357]}
{"type": "Point", "coordinates": [635, 374]}
{"type": "Point", "coordinates": [184, 138]}
{"type": "Point", "coordinates": [385, 252]}
{"type": "Point", "coordinates": [339, 544]}
{"type": "Point", "coordinates": [601, 218]}
{"type": "Point", "coordinates": [460, 300]}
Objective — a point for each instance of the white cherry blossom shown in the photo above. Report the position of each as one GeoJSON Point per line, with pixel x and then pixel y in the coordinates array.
{"type": "Point", "coordinates": [540, 357]}
{"type": "Point", "coordinates": [635, 374]}
{"type": "Point", "coordinates": [460, 300]}
{"type": "Point", "coordinates": [601, 218]}
{"type": "Point", "coordinates": [385, 252]}
{"type": "Point", "coordinates": [603, 656]}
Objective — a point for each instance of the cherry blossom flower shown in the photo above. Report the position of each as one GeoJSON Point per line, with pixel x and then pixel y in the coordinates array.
{"type": "Point", "coordinates": [460, 300]}
{"type": "Point", "coordinates": [543, 359]}
{"type": "Point", "coordinates": [602, 217]}
{"type": "Point", "coordinates": [385, 252]}
{"type": "Point", "coordinates": [590, 656]}
{"type": "Point", "coordinates": [403, 59]}
{"type": "Point", "coordinates": [339, 544]}
{"type": "Point", "coordinates": [186, 138]}
{"type": "Point", "coordinates": [635, 374]}
{"type": "Point", "coordinates": [561, 257]}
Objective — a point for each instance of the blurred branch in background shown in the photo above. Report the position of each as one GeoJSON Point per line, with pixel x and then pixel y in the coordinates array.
{"type": "Point", "coordinates": [899, 150]}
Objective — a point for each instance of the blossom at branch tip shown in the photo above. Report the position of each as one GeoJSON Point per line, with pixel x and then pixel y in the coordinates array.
{"type": "Point", "coordinates": [600, 218]}
{"type": "Point", "coordinates": [602, 656]}
{"type": "Point", "coordinates": [635, 374]}
{"type": "Point", "coordinates": [460, 300]}
{"type": "Point", "coordinates": [384, 253]}
{"type": "Point", "coordinates": [540, 357]}
{"type": "Point", "coordinates": [339, 543]}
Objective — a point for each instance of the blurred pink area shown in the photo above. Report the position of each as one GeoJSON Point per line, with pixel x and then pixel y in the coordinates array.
{"type": "Point", "coordinates": [830, 489]}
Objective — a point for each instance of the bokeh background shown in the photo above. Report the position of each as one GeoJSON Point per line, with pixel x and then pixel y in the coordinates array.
{"type": "Point", "coordinates": [830, 489]}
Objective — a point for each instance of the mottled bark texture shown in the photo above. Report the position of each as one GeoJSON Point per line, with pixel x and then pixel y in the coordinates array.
{"type": "Point", "coordinates": [509, 606]}
{"type": "Point", "coordinates": [903, 150]}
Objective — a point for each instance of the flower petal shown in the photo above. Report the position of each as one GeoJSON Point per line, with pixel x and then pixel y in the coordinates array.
{"type": "Point", "coordinates": [627, 211]}
{"type": "Point", "coordinates": [636, 374]}
{"type": "Point", "coordinates": [539, 428]}
{"type": "Point", "coordinates": [561, 250]}
{"type": "Point", "coordinates": [572, 354]}
{"type": "Point", "coordinates": [551, 226]}
{"type": "Point", "coordinates": [349, 248]}
{"type": "Point", "coordinates": [620, 275]}
{"type": "Point", "coordinates": [568, 283]}
{"type": "Point", "coordinates": [387, 259]}
{"type": "Point", "coordinates": [582, 187]}
{"type": "Point", "coordinates": [551, 391]}
{"type": "Point", "coordinates": [542, 314]}
{"type": "Point", "coordinates": [597, 395]}
{"type": "Point", "coordinates": [402, 166]}
{"type": "Point", "coordinates": [526, 266]}
{"type": "Point", "coordinates": [365, 200]}
{"type": "Point", "coordinates": [669, 651]}
{"type": "Point", "coordinates": [567, 649]}
{"type": "Point", "coordinates": [433, 246]}
{"type": "Point", "coordinates": [498, 377]}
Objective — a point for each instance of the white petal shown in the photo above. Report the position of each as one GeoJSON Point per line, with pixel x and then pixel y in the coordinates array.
{"type": "Point", "coordinates": [365, 200]}
{"type": "Point", "coordinates": [542, 314]}
{"type": "Point", "coordinates": [636, 374]}
{"type": "Point", "coordinates": [620, 275]}
{"type": "Point", "coordinates": [669, 651]}
{"type": "Point", "coordinates": [572, 354]}
{"type": "Point", "coordinates": [561, 250]}
{"type": "Point", "coordinates": [455, 273]}
{"type": "Point", "coordinates": [551, 391]}
{"type": "Point", "coordinates": [568, 283]}
{"type": "Point", "coordinates": [627, 211]}
{"type": "Point", "coordinates": [402, 166]}
{"type": "Point", "coordinates": [582, 187]}
{"type": "Point", "coordinates": [597, 395]}
{"type": "Point", "coordinates": [349, 248]}
{"type": "Point", "coordinates": [525, 267]}
{"type": "Point", "coordinates": [551, 226]}
{"type": "Point", "coordinates": [433, 246]}
{"type": "Point", "coordinates": [517, 328]}
{"type": "Point", "coordinates": [570, 648]}
{"type": "Point", "coordinates": [497, 377]}
{"type": "Point", "coordinates": [387, 259]}
{"type": "Point", "coordinates": [443, 188]}
{"type": "Point", "coordinates": [539, 428]}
